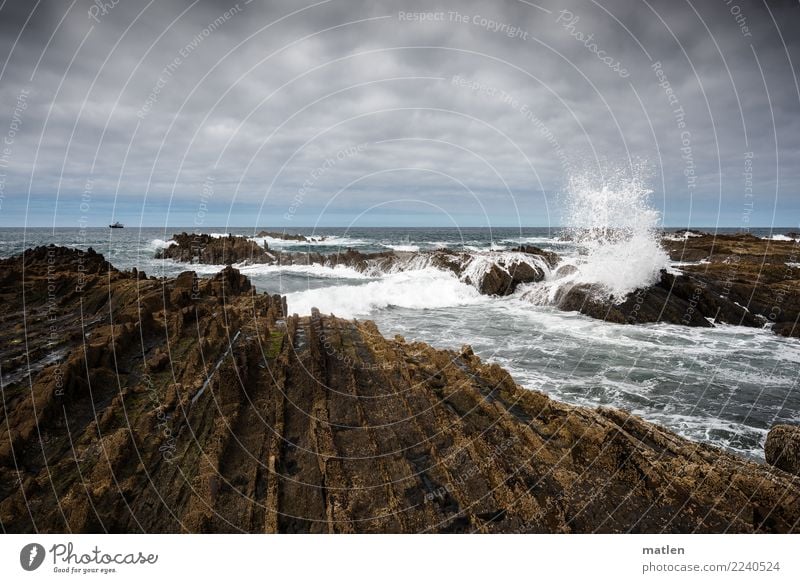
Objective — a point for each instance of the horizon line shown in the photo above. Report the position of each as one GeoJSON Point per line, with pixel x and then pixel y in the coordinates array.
{"type": "Point", "coordinates": [698, 227]}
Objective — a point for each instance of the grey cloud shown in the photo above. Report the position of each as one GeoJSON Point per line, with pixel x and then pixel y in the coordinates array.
{"type": "Point", "coordinates": [237, 102]}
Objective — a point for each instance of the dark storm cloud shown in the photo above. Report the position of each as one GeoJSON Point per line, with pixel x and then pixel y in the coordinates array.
{"type": "Point", "coordinates": [344, 106]}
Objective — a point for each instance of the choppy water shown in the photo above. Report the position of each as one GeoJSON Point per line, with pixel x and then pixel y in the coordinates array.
{"type": "Point", "coordinates": [725, 385]}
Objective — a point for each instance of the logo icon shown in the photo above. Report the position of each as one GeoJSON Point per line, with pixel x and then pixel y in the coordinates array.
{"type": "Point", "coordinates": [31, 556]}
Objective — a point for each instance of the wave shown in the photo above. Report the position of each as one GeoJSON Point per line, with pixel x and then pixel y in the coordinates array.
{"type": "Point", "coordinates": [485, 248]}
{"type": "Point", "coordinates": [161, 244]}
{"type": "Point", "coordinates": [311, 241]}
{"type": "Point", "coordinates": [533, 240]}
{"type": "Point", "coordinates": [311, 270]}
{"type": "Point", "coordinates": [254, 269]}
{"type": "Point", "coordinates": [681, 235]}
{"type": "Point", "coordinates": [420, 289]}
{"type": "Point", "coordinates": [617, 236]}
{"type": "Point", "coordinates": [401, 247]}
{"type": "Point", "coordinates": [781, 238]}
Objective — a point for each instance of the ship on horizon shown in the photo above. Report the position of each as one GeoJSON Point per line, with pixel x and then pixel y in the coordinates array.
{"type": "Point", "coordinates": [116, 225]}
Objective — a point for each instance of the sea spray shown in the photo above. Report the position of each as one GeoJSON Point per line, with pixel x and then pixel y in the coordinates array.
{"type": "Point", "coordinates": [616, 232]}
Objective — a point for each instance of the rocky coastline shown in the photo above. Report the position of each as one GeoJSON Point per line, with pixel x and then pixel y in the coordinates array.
{"type": "Point", "coordinates": [138, 404]}
{"type": "Point", "coordinates": [720, 279]}
{"type": "Point", "coordinates": [498, 274]}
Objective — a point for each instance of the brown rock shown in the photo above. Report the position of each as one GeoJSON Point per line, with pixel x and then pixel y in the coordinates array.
{"type": "Point", "coordinates": [745, 281]}
{"type": "Point", "coordinates": [202, 248]}
{"type": "Point", "coordinates": [782, 448]}
{"type": "Point", "coordinates": [265, 422]}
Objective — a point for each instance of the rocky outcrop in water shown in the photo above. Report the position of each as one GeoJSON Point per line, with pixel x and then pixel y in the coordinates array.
{"type": "Point", "coordinates": [199, 405]}
{"type": "Point", "coordinates": [782, 448]}
{"type": "Point", "coordinates": [492, 273]}
{"type": "Point", "coordinates": [289, 236]}
{"type": "Point", "coordinates": [731, 279]}
{"type": "Point", "coordinates": [207, 249]}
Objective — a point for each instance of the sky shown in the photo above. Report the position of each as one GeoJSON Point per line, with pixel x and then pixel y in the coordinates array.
{"type": "Point", "coordinates": [375, 113]}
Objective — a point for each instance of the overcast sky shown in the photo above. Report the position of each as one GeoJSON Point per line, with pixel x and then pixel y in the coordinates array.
{"type": "Point", "coordinates": [366, 113]}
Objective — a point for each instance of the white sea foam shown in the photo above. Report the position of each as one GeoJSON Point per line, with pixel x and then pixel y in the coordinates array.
{"type": "Point", "coordinates": [531, 240]}
{"type": "Point", "coordinates": [681, 236]}
{"type": "Point", "coordinates": [613, 222]}
{"type": "Point", "coordinates": [312, 241]}
{"type": "Point", "coordinates": [161, 243]}
{"type": "Point", "coordinates": [255, 269]}
{"type": "Point", "coordinates": [617, 235]}
{"type": "Point", "coordinates": [311, 270]}
{"type": "Point", "coordinates": [427, 288]}
{"type": "Point", "coordinates": [781, 238]}
{"type": "Point", "coordinates": [401, 247]}
{"type": "Point", "coordinates": [485, 248]}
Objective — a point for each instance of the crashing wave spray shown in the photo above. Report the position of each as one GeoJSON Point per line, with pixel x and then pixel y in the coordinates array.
{"type": "Point", "coordinates": [613, 223]}
{"type": "Point", "coordinates": [617, 234]}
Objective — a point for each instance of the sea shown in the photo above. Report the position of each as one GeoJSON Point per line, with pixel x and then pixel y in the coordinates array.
{"type": "Point", "coordinates": [725, 385]}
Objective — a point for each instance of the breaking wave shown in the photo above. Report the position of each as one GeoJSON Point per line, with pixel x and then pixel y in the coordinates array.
{"type": "Point", "coordinates": [617, 236]}
{"type": "Point", "coordinates": [311, 241]}
{"type": "Point", "coordinates": [418, 289]}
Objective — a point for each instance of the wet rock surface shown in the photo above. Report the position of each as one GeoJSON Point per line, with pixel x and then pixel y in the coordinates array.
{"type": "Point", "coordinates": [199, 405]}
{"type": "Point", "coordinates": [730, 279]}
{"type": "Point", "coordinates": [492, 273]}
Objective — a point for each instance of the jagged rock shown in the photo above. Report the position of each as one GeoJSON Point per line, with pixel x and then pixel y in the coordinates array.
{"type": "Point", "coordinates": [745, 281]}
{"type": "Point", "coordinates": [287, 236]}
{"type": "Point", "coordinates": [202, 248]}
{"type": "Point", "coordinates": [782, 448]}
{"type": "Point", "coordinates": [495, 281]}
{"type": "Point", "coordinates": [264, 422]}
{"type": "Point", "coordinates": [552, 259]}
{"type": "Point", "coordinates": [502, 272]}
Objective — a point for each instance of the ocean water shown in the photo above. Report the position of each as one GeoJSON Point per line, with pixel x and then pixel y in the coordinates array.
{"type": "Point", "coordinates": [725, 385]}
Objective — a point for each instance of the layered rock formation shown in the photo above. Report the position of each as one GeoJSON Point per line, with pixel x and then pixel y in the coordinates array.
{"type": "Point", "coordinates": [731, 279]}
{"type": "Point", "coordinates": [134, 404]}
